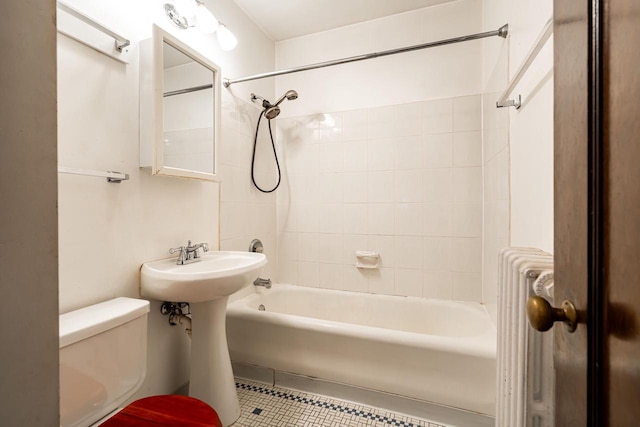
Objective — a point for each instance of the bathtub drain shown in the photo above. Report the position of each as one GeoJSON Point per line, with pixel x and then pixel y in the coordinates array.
{"type": "Point", "coordinates": [261, 307]}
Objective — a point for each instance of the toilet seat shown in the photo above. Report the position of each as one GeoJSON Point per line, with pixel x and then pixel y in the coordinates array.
{"type": "Point", "coordinates": [169, 410]}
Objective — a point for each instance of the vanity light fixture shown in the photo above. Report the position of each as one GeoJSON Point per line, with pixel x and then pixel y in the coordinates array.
{"type": "Point", "coordinates": [226, 39]}
{"type": "Point", "coordinates": [206, 21]}
{"type": "Point", "coordinates": [192, 13]}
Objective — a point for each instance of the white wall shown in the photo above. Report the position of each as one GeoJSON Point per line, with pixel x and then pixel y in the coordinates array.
{"type": "Point", "coordinates": [441, 72]}
{"type": "Point", "coordinates": [518, 143]}
{"type": "Point", "coordinates": [108, 230]}
{"type": "Point", "coordinates": [28, 229]}
{"type": "Point", "coordinates": [384, 155]}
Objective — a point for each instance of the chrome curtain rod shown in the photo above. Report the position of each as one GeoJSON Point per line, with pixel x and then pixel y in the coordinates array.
{"type": "Point", "coordinates": [187, 90]}
{"type": "Point", "coordinates": [501, 32]}
{"type": "Point", "coordinates": [121, 42]}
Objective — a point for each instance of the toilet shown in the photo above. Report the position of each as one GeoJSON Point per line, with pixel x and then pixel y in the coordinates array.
{"type": "Point", "coordinates": [103, 361]}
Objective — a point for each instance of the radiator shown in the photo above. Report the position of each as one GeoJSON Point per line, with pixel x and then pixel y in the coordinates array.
{"type": "Point", "coordinates": [525, 374]}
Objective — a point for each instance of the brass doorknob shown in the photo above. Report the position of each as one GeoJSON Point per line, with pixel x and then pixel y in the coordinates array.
{"type": "Point", "coordinates": [542, 316]}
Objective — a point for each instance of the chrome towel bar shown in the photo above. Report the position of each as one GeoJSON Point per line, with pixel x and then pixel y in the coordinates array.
{"type": "Point", "coordinates": [531, 56]}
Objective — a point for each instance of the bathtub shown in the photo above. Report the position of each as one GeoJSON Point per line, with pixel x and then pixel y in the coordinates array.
{"type": "Point", "coordinates": [435, 351]}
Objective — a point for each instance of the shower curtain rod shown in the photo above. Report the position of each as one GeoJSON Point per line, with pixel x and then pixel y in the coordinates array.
{"type": "Point", "coordinates": [501, 32]}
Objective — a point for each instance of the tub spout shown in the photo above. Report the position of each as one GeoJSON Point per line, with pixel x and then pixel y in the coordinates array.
{"type": "Point", "coordinates": [262, 282]}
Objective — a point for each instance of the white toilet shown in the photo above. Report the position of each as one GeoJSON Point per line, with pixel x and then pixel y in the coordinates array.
{"type": "Point", "coordinates": [103, 360]}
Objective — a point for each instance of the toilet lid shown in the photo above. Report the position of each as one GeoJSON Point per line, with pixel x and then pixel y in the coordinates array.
{"type": "Point", "coordinates": [170, 410]}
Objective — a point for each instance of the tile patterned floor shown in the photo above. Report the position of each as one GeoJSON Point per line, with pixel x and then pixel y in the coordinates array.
{"type": "Point", "coordinates": [263, 405]}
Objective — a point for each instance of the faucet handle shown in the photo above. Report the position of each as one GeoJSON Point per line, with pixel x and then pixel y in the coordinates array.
{"type": "Point", "coordinates": [178, 249]}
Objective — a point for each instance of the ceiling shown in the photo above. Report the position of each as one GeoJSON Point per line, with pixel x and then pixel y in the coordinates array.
{"type": "Point", "coordinates": [286, 19]}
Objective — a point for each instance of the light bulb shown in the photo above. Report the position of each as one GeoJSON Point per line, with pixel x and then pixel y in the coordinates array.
{"type": "Point", "coordinates": [186, 8]}
{"type": "Point", "coordinates": [207, 23]}
{"type": "Point", "coordinates": [226, 38]}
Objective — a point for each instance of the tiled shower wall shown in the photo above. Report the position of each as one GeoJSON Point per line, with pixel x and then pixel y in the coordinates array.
{"type": "Point", "coordinates": [246, 213]}
{"type": "Point", "coordinates": [401, 180]}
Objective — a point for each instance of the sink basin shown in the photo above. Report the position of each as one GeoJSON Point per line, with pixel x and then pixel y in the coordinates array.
{"type": "Point", "coordinates": [218, 275]}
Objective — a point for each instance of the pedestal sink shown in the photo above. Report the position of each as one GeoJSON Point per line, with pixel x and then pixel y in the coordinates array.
{"type": "Point", "coordinates": [206, 286]}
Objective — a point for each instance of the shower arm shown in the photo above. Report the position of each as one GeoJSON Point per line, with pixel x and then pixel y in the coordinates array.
{"type": "Point", "coordinates": [500, 32]}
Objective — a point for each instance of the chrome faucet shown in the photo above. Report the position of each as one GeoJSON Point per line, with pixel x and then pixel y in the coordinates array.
{"type": "Point", "coordinates": [189, 254]}
{"type": "Point", "coordinates": [262, 282]}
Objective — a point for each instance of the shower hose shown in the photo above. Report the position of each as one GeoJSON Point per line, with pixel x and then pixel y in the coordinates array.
{"type": "Point", "coordinates": [253, 157]}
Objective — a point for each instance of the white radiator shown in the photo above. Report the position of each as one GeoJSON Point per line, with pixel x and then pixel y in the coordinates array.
{"type": "Point", "coordinates": [525, 374]}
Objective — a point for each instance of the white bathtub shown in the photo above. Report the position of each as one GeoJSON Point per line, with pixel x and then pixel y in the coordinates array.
{"type": "Point", "coordinates": [436, 351]}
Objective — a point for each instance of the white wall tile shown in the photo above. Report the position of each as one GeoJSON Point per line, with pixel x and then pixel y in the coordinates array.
{"type": "Point", "coordinates": [382, 281]}
{"type": "Point", "coordinates": [351, 244]}
{"type": "Point", "coordinates": [287, 271]}
{"type": "Point", "coordinates": [408, 251]}
{"type": "Point", "coordinates": [380, 218]}
{"type": "Point", "coordinates": [437, 219]}
{"type": "Point", "coordinates": [304, 188]}
{"type": "Point", "coordinates": [408, 219]}
{"type": "Point", "coordinates": [354, 125]}
{"type": "Point", "coordinates": [330, 128]}
{"type": "Point", "coordinates": [356, 187]}
{"type": "Point", "coordinates": [380, 122]}
{"type": "Point", "coordinates": [381, 186]}
{"type": "Point", "coordinates": [467, 184]}
{"type": "Point", "coordinates": [330, 248]}
{"type": "Point", "coordinates": [355, 156]}
{"type": "Point", "coordinates": [467, 149]}
{"type": "Point", "coordinates": [331, 218]}
{"type": "Point", "coordinates": [331, 276]}
{"type": "Point", "coordinates": [331, 188]}
{"type": "Point", "coordinates": [355, 279]}
{"type": "Point", "coordinates": [467, 255]}
{"type": "Point", "coordinates": [380, 154]}
{"type": "Point", "coordinates": [288, 246]}
{"type": "Point", "coordinates": [437, 185]}
{"type": "Point", "coordinates": [308, 218]}
{"type": "Point", "coordinates": [437, 116]}
{"type": "Point", "coordinates": [308, 248]}
{"type": "Point", "coordinates": [467, 287]}
{"type": "Point", "coordinates": [308, 274]}
{"type": "Point", "coordinates": [330, 157]}
{"type": "Point", "coordinates": [437, 284]}
{"type": "Point", "coordinates": [407, 119]}
{"type": "Point", "coordinates": [467, 114]}
{"type": "Point", "coordinates": [408, 186]}
{"type": "Point", "coordinates": [467, 219]}
{"type": "Point", "coordinates": [408, 152]}
{"type": "Point", "coordinates": [437, 253]}
{"type": "Point", "coordinates": [385, 246]}
{"type": "Point", "coordinates": [408, 282]}
{"type": "Point", "coordinates": [287, 218]}
{"type": "Point", "coordinates": [355, 218]}
{"type": "Point", "coordinates": [437, 151]}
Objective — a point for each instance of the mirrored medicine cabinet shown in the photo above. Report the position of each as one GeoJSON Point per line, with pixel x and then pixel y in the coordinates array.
{"type": "Point", "coordinates": [179, 108]}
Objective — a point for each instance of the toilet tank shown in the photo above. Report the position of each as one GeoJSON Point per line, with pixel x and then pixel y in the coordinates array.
{"type": "Point", "coordinates": [103, 358]}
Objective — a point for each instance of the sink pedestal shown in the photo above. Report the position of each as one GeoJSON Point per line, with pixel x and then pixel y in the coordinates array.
{"type": "Point", "coordinates": [211, 374]}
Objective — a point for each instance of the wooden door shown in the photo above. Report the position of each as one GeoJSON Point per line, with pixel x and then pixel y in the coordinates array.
{"type": "Point", "coordinates": [597, 210]}
{"type": "Point", "coordinates": [571, 203]}
{"type": "Point", "coordinates": [621, 201]}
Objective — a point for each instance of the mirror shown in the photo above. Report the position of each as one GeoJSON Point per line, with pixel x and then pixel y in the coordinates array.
{"type": "Point", "coordinates": [178, 135]}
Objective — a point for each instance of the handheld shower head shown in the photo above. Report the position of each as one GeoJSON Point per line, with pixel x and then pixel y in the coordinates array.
{"type": "Point", "coordinates": [290, 95]}
{"type": "Point", "coordinates": [271, 111]}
